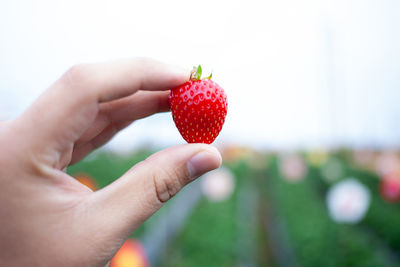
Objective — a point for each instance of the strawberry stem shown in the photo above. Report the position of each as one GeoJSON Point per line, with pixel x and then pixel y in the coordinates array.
{"type": "Point", "coordinates": [195, 74]}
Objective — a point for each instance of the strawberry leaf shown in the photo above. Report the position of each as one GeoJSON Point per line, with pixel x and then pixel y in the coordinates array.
{"type": "Point", "coordinates": [198, 73]}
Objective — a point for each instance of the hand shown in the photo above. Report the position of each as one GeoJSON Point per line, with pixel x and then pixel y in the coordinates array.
{"type": "Point", "coordinates": [47, 218]}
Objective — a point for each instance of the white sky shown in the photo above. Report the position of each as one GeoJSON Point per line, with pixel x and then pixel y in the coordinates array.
{"type": "Point", "coordinates": [297, 73]}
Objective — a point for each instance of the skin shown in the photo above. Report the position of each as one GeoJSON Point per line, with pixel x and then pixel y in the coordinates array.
{"type": "Point", "coordinates": [47, 218]}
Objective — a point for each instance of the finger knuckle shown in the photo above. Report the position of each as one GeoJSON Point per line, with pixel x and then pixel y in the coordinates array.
{"type": "Point", "coordinates": [144, 63]}
{"type": "Point", "coordinates": [76, 74]}
{"type": "Point", "coordinates": [167, 183]}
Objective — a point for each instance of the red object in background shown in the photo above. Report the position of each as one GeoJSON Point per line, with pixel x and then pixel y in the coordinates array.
{"type": "Point", "coordinates": [87, 181]}
{"type": "Point", "coordinates": [131, 254]}
{"type": "Point", "coordinates": [390, 188]}
{"type": "Point", "coordinates": [292, 167]}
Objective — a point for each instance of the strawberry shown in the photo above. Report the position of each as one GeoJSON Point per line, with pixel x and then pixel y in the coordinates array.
{"type": "Point", "coordinates": [389, 187]}
{"type": "Point", "coordinates": [198, 108]}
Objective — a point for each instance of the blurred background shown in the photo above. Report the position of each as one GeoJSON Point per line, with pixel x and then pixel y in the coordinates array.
{"type": "Point", "coordinates": [311, 173]}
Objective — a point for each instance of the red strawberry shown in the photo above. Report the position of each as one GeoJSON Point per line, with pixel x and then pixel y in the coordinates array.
{"type": "Point", "coordinates": [198, 108]}
{"type": "Point", "coordinates": [389, 187]}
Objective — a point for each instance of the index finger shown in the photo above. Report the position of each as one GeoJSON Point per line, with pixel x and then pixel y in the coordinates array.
{"type": "Point", "coordinates": [112, 80]}
{"type": "Point", "coordinates": [71, 104]}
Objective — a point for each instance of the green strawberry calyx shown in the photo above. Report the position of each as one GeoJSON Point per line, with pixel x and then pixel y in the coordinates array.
{"type": "Point", "coordinates": [195, 74]}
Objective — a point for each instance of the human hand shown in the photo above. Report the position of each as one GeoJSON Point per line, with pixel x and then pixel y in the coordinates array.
{"type": "Point", "coordinates": [47, 218]}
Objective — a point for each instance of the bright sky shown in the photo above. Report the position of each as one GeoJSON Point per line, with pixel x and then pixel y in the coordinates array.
{"type": "Point", "coordinates": [297, 73]}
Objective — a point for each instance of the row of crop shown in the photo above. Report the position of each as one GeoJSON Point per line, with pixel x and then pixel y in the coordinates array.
{"type": "Point", "coordinates": [209, 235]}
{"type": "Point", "coordinates": [382, 219]}
{"type": "Point", "coordinates": [315, 238]}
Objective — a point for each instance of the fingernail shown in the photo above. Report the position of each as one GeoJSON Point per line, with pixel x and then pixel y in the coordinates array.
{"type": "Point", "coordinates": [203, 162]}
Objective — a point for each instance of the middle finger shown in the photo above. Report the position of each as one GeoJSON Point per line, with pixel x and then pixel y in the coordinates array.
{"type": "Point", "coordinates": [140, 105]}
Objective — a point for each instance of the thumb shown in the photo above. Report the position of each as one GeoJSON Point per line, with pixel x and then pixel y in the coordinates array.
{"type": "Point", "coordinates": [125, 204]}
